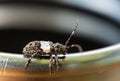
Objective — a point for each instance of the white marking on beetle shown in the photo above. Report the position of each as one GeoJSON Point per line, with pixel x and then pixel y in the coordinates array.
{"type": "Point", "coordinates": [45, 45]}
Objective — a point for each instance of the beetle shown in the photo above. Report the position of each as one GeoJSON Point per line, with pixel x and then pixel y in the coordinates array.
{"type": "Point", "coordinates": [42, 48]}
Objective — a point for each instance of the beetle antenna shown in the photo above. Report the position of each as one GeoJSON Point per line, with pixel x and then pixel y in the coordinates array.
{"type": "Point", "coordinates": [75, 27]}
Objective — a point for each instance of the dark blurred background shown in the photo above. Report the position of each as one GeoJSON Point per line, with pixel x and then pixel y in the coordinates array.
{"type": "Point", "coordinates": [25, 21]}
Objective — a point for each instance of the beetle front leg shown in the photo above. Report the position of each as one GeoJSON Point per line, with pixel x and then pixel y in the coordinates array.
{"type": "Point", "coordinates": [57, 62]}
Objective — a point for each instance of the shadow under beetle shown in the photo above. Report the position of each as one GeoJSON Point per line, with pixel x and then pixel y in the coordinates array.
{"type": "Point", "coordinates": [42, 48]}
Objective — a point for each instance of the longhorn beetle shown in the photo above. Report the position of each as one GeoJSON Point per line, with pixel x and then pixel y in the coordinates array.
{"type": "Point", "coordinates": [42, 48]}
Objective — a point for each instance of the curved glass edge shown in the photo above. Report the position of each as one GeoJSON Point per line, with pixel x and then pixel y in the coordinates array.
{"type": "Point", "coordinates": [11, 64]}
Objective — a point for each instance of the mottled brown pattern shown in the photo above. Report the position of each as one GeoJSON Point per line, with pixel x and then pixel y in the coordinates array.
{"type": "Point", "coordinates": [41, 48]}
{"type": "Point", "coordinates": [32, 47]}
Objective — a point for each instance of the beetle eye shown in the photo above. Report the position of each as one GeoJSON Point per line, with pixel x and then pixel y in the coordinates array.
{"type": "Point", "coordinates": [39, 44]}
{"type": "Point", "coordinates": [58, 46]}
{"type": "Point", "coordinates": [30, 44]}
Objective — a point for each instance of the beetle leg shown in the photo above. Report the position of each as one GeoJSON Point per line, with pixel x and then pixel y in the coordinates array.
{"type": "Point", "coordinates": [57, 62]}
{"type": "Point", "coordinates": [77, 46]}
{"type": "Point", "coordinates": [29, 61]}
{"type": "Point", "coordinates": [50, 64]}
